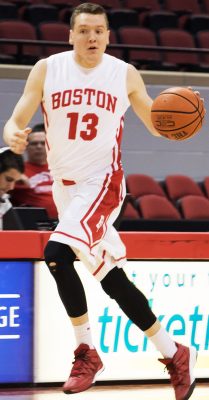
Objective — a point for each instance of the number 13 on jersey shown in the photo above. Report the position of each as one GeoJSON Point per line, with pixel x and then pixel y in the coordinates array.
{"type": "Point", "coordinates": [91, 122]}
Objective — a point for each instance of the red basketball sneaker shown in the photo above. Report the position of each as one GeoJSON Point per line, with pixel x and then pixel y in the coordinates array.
{"type": "Point", "coordinates": [180, 368]}
{"type": "Point", "coordinates": [86, 367]}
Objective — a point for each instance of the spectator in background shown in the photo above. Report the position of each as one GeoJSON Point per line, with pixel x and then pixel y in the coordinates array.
{"type": "Point", "coordinates": [11, 169]}
{"type": "Point", "coordinates": [35, 187]}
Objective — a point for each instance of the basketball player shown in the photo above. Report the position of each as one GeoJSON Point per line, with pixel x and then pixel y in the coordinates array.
{"type": "Point", "coordinates": [84, 95]}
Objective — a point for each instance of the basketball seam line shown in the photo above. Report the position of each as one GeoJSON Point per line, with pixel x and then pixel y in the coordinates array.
{"type": "Point", "coordinates": [183, 97]}
{"type": "Point", "coordinates": [173, 111]}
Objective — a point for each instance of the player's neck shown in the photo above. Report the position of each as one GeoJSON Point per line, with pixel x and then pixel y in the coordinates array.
{"type": "Point", "coordinates": [87, 63]}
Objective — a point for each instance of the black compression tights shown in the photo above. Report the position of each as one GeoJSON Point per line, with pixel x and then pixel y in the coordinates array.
{"type": "Point", "coordinates": [129, 298]}
{"type": "Point", "coordinates": [60, 259]}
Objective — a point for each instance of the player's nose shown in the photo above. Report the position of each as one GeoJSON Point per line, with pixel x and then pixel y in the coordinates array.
{"type": "Point", "coordinates": [92, 36]}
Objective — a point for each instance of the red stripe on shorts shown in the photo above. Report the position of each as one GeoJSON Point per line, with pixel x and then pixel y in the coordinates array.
{"type": "Point", "coordinates": [98, 269]}
{"type": "Point", "coordinates": [105, 203]}
{"type": "Point", "coordinates": [73, 237]}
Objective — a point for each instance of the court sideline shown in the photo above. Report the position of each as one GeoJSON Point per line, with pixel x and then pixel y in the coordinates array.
{"type": "Point", "coordinates": [116, 392]}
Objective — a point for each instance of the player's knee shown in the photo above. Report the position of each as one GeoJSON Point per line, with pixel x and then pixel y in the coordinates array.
{"type": "Point", "coordinates": [114, 282]}
{"type": "Point", "coordinates": [58, 255]}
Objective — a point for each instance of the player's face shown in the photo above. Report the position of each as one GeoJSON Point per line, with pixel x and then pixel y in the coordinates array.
{"type": "Point", "coordinates": [8, 179]}
{"type": "Point", "coordinates": [89, 38]}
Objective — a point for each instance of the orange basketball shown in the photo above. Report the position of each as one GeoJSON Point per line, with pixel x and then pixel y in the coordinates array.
{"type": "Point", "coordinates": [177, 113]}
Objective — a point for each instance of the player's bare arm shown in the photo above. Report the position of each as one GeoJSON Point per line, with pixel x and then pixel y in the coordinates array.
{"type": "Point", "coordinates": [140, 101]}
{"type": "Point", "coordinates": [16, 130]}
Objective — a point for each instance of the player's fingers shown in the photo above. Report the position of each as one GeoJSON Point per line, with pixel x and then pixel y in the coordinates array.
{"type": "Point", "coordinates": [28, 130]}
{"type": "Point", "coordinates": [23, 133]}
{"type": "Point", "coordinates": [195, 91]}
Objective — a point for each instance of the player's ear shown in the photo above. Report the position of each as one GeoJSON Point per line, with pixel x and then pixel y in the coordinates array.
{"type": "Point", "coordinates": [108, 36]}
{"type": "Point", "coordinates": [71, 37]}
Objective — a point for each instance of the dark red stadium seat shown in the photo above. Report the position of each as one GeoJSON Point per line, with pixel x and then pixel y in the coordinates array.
{"type": "Point", "coordinates": [140, 36]}
{"type": "Point", "coordinates": [205, 4]}
{"type": "Point", "coordinates": [178, 186]}
{"type": "Point", "coordinates": [181, 39]}
{"type": "Point", "coordinates": [38, 13]}
{"type": "Point", "coordinates": [197, 22]}
{"type": "Point", "coordinates": [62, 3]}
{"type": "Point", "coordinates": [142, 5]}
{"type": "Point", "coordinates": [8, 11]}
{"type": "Point", "coordinates": [65, 15]}
{"type": "Point", "coordinates": [195, 207]}
{"type": "Point", "coordinates": [206, 186]}
{"type": "Point", "coordinates": [120, 17]}
{"type": "Point", "coordinates": [202, 38]}
{"type": "Point", "coordinates": [113, 40]}
{"type": "Point", "coordinates": [153, 206]}
{"type": "Point", "coordinates": [109, 4]}
{"type": "Point", "coordinates": [156, 20]}
{"type": "Point", "coordinates": [182, 6]}
{"type": "Point", "coordinates": [130, 212]}
{"type": "Point", "coordinates": [140, 185]}
{"type": "Point", "coordinates": [54, 31]}
{"type": "Point", "coordinates": [19, 30]}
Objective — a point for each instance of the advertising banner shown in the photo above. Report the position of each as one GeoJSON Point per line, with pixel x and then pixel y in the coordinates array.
{"type": "Point", "coordinates": [16, 321]}
{"type": "Point", "coordinates": [177, 292]}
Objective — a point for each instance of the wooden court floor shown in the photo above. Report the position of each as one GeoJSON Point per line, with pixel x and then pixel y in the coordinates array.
{"type": "Point", "coordinates": [116, 392]}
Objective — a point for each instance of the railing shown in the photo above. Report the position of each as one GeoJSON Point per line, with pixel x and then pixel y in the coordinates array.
{"type": "Point", "coordinates": [43, 43]}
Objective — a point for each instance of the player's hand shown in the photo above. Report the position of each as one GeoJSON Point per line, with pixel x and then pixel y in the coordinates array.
{"type": "Point", "coordinates": [198, 95]}
{"type": "Point", "coordinates": [203, 111]}
{"type": "Point", "coordinates": [19, 141]}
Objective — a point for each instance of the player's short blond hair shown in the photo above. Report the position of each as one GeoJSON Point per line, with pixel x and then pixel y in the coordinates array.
{"type": "Point", "coordinates": [88, 8]}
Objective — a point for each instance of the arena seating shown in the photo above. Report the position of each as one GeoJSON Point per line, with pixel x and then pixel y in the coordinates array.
{"type": "Point", "coordinates": [202, 38]}
{"type": "Point", "coordinates": [149, 59]}
{"type": "Point", "coordinates": [8, 11]}
{"type": "Point", "coordinates": [157, 207]}
{"type": "Point", "coordinates": [176, 203]}
{"type": "Point", "coordinates": [189, 16]}
{"type": "Point", "coordinates": [139, 185]}
{"type": "Point", "coordinates": [178, 186]}
{"type": "Point", "coordinates": [20, 30]}
{"type": "Point", "coordinates": [195, 208]}
{"type": "Point", "coordinates": [181, 39]}
{"type": "Point", "coordinates": [54, 31]}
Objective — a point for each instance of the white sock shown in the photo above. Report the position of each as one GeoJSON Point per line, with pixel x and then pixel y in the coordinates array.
{"type": "Point", "coordinates": [164, 343]}
{"type": "Point", "coordinates": [83, 334]}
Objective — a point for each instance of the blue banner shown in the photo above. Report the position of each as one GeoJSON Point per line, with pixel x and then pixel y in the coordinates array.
{"type": "Point", "coordinates": [16, 321]}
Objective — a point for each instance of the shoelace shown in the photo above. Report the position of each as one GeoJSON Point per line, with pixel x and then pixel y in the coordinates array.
{"type": "Point", "coordinates": [176, 372]}
{"type": "Point", "coordinates": [80, 364]}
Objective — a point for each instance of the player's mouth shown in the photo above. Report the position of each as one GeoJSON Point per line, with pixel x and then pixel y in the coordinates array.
{"type": "Point", "coordinates": [93, 48]}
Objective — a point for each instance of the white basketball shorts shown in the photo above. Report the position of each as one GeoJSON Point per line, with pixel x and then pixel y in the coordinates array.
{"type": "Point", "coordinates": [87, 211]}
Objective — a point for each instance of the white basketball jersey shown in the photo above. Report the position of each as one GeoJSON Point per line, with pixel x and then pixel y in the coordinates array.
{"type": "Point", "coordinates": [83, 112]}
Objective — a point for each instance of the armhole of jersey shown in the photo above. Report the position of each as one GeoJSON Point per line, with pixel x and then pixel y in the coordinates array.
{"type": "Point", "coordinates": [45, 80]}
{"type": "Point", "coordinates": [126, 98]}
